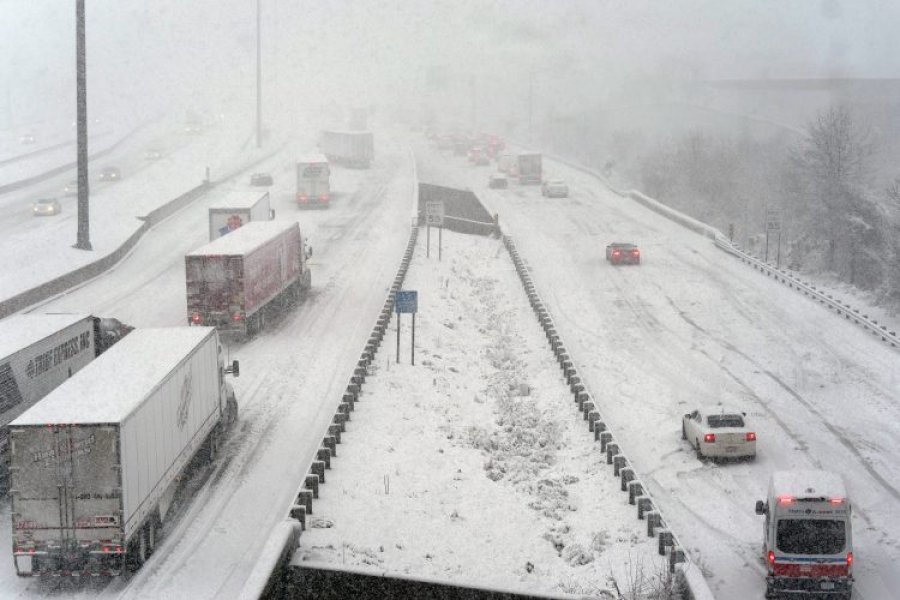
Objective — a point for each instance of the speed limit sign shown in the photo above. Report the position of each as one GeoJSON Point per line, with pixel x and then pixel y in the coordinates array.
{"type": "Point", "coordinates": [434, 213]}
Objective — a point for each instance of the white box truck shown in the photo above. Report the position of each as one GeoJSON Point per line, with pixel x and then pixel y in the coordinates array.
{"type": "Point", "coordinates": [237, 209]}
{"type": "Point", "coordinates": [95, 464]}
{"type": "Point", "coordinates": [350, 148]}
{"type": "Point", "coordinates": [37, 353]}
{"type": "Point", "coordinates": [807, 536]}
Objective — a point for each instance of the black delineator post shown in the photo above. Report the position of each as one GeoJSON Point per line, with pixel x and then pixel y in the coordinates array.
{"type": "Point", "coordinates": [398, 337]}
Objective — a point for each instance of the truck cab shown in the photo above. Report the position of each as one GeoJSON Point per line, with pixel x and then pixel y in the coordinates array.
{"type": "Point", "coordinates": [807, 535]}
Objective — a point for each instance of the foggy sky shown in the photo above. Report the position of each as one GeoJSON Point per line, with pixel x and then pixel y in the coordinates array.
{"type": "Point", "coordinates": [168, 54]}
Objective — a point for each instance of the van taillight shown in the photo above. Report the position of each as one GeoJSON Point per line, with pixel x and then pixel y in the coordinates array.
{"type": "Point", "coordinates": [849, 559]}
{"type": "Point", "coordinates": [836, 500]}
{"type": "Point", "coordinates": [196, 319]}
{"type": "Point", "coordinates": [771, 558]}
{"type": "Point", "coordinates": [785, 499]}
{"type": "Point", "coordinates": [709, 438]}
{"type": "Point", "coordinates": [751, 436]}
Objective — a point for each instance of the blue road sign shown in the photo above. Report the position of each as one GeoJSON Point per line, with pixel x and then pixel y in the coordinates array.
{"type": "Point", "coordinates": [407, 301]}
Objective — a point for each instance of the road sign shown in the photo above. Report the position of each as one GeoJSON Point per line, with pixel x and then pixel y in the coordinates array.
{"type": "Point", "coordinates": [407, 301]}
{"type": "Point", "coordinates": [773, 219]}
{"type": "Point", "coordinates": [434, 213]}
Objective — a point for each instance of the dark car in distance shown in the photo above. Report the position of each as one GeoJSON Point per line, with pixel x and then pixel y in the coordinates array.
{"type": "Point", "coordinates": [261, 179]}
{"type": "Point", "coordinates": [622, 253]}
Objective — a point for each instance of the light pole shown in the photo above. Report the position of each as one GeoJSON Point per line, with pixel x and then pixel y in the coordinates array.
{"type": "Point", "coordinates": [258, 77]}
{"type": "Point", "coordinates": [83, 241]}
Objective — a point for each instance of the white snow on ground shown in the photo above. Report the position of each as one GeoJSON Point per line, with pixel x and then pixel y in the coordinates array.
{"type": "Point", "coordinates": [474, 465]}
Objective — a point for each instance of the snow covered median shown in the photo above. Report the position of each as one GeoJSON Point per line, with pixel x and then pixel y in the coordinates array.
{"type": "Point", "coordinates": [473, 466]}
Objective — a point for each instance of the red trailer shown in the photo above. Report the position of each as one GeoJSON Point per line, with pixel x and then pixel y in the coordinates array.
{"type": "Point", "coordinates": [231, 279]}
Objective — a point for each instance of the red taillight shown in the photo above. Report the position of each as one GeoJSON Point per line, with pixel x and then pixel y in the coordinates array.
{"type": "Point", "coordinates": [196, 319]}
{"type": "Point", "coordinates": [785, 499]}
{"type": "Point", "coordinates": [324, 197]}
{"type": "Point", "coordinates": [636, 252]}
{"type": "Point", "coordinates": [751, 436]}
{"type": "Point", "coordinates": [849, 559]}
{"type": "Point", "coordinates": [709, 438]}
{"type": "Point", "coordinates": [616, 253]}
{"type": "Point", "coordinates": [237, 317]}
{"type": "Point", "coordinates": [303, 199]}
{"type": "Point", "coordinates": [836, 500]}
{"type": "Point", "coordinates": [771, 557]}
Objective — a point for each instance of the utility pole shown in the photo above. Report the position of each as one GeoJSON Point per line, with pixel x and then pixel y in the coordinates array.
{"type": "Point", "coordinates": [83, 241]}
{"type": "Point", "coordinates": [530, 107]}
{"type": "Point", "coordinates": [258, 77]}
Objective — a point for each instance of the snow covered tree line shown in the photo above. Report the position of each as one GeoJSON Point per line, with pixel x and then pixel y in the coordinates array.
{"type": "Point", "coordinates": [837, 220]}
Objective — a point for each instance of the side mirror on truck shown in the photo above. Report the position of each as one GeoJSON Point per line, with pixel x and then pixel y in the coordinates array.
{"type": "Point", "coordinates": [761, 507]}
{"type": "Point", "coordinates": [234, 369]}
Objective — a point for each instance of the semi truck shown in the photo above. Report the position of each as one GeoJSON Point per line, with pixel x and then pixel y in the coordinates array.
{"type": "Point", "coordinates": [313, 181]}
{"type": "Point", "coordinates": [232, 279]}
{"type": "Point", "coordinates": [237, 209]}
{"type": "Point", "coordinates": [95, 465]}
{"type": "Point", "coordinates": [348, 148]}
{"type": "Point", "coordinates": [37, 353]}
{"type": "Point", "coordinates": [529, 168]}
{"type": "Point", "coordinates": [807, 536]}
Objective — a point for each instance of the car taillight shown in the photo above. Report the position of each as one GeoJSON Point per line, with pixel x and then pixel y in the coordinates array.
{"type": "Point", "coordinates": [237, 317]}
{"type": "Point", "coordinates": [302, 199]}
{"type": "Point", "coordinates": [196, 319]}
{"type": "Point", "coordinates": [751, 436]}
{"type": "Point", "coordinates": [636, 252]}
{"type": "Point", "coordinates": [616, 253]}
{"type": "Point", "coordinates": [324, 197]}
{"type": "Point", "coordinates": [709, 438]}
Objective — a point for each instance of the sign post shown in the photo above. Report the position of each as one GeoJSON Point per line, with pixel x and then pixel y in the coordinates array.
{"type": "Point", "coordinates": [434, 215]}
{"type": "Point", "coordinates": [773, 224]}
{"type": "Point", "coordinates": [407, 301]}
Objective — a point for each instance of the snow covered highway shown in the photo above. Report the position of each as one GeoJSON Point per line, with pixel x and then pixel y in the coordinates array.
{"type": "Point", "coordinates": [694, 326]}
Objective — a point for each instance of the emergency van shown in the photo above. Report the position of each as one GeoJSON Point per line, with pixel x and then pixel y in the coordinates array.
{"type": "Point", "coordinates": [808, 544]}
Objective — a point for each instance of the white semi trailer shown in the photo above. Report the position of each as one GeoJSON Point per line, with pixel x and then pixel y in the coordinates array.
{"type": "Point", "coordinates": [237, 209]}
{"type": "Point", "coordinates": [37, 353]}
{"type": "Point", "coordinates": [95, 464]}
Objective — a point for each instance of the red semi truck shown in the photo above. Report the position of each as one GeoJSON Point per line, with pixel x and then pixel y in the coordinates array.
{"type": "Point", "coordinates": [231, 279]}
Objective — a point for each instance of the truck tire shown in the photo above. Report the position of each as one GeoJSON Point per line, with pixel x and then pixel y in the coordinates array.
{"type": "Point", "coordinates": [231, 410]}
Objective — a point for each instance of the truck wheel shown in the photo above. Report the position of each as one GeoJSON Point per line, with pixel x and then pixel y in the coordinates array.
{"type": "Point", "coordinates": [231, 410]}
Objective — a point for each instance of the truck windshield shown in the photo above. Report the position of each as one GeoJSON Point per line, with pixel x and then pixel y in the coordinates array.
{"type": "Point", "coordinates": [811, 536]}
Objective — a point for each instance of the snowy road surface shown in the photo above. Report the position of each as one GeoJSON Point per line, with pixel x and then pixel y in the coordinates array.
{"type": "Point", "coordinates": [291, 375]}
{"type": "Point", "coordinates": [690, 326]}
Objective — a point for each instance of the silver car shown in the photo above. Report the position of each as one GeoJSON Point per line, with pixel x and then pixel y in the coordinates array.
{"type": "Point", "coordinates": [717, 432]}
{"type": "Point", "coordinates": [46, 207]}
{"type": "Point", "coordinates": [555, 188]}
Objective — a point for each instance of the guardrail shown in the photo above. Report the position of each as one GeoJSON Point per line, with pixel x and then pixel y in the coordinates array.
{"type": "Point", "coordinates": [68, 280]}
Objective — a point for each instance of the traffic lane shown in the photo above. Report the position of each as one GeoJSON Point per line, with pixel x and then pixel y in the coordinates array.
{"type": "Point", "coordinates": [708, 325]}
{"type": "Point", "coordinates": [291, 380]}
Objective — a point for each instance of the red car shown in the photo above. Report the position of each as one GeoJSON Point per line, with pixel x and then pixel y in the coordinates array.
{"type": "Point", "coordinates": [621, 253]}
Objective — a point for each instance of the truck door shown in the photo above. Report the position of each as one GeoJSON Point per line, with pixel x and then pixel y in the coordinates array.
{"type": "Point", "coordinates": [63, 446]}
